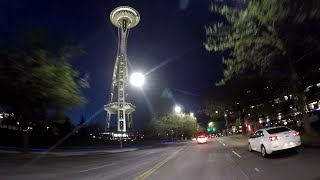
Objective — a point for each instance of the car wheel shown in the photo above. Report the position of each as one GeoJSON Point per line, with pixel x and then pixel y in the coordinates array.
{"type": "Point", "coordinates": [263, 151]}
{"type": "Point", "coordinates": [249, 147]}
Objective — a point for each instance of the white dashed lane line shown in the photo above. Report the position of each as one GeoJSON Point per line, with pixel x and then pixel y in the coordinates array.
{"type": "Point", "coordinates": [99, 167]}
{"type": "Point", "coordinates": [236, 153]}
{"type": "Point", "coordinates": [221, 142]}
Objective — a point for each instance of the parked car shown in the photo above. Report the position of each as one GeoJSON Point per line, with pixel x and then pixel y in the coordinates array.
{"type": "Point", "coordinates": [274, 139]}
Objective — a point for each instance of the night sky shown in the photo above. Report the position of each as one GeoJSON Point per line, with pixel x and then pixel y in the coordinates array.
{"type": "Point", "coordinates": [168, 43]}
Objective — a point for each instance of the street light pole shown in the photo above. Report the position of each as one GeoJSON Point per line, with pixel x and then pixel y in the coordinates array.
{"type": "Point", "coordinates": [225, 117]}
{"type": "Point", "coordinates": [121, 140]}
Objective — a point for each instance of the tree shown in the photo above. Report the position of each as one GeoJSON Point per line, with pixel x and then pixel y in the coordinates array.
{"type": "Point", "coordinates": [174, 124]}
{"type": "Point", "coordinates": [239, 95]}
{"type": "Point", "coordinates": [262, 37]}
{"type": "Point", "coordinates": [82, 128]}
{"type": "Point", "coordinates": [62, 125]}
{"type": "Point", "coordinates": [37, 77]}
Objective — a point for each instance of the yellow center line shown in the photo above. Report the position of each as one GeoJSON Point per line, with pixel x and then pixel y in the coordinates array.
{"type": "Point", "coordinates": [157, 166]}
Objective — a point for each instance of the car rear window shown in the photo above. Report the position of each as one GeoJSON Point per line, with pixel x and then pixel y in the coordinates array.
{"type": "Point", "coordinates": [278, 130]}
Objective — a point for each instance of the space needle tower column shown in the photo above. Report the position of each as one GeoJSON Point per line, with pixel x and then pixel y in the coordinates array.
{"type": "Point", "coordinates": [124, 18]}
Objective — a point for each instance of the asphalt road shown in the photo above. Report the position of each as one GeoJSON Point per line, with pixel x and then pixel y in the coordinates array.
{"type": "Point", "coordinates": [227, 158]}
{"type": "Point", "coordinates": [221, 158]}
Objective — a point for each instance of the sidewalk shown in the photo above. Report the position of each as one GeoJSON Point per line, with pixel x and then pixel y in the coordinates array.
{"type": "Point", "coordinates": [82, 151]}
{"type": "Point", "coordinates": [67, 151]}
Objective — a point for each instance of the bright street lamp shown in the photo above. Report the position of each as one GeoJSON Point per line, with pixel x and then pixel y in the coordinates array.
{"type": "Point", "coordinates": [137, 79]}
{"type": "Point", "coordinates": [191, 114]}
{"type": "Point", "coordinates": [177, 109]}
{"type": "Point", "coordinates": [216, 112]}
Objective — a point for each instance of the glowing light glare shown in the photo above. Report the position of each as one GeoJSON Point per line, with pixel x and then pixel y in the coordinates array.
{"type": "Point", "coordinates": [137, 79]}
{"type": "Point", "coordinates": [177, 109]}
{"type": "Point", "coordinates": [191, 114]}
{"type": "Point", "coordinates": [210, 124]}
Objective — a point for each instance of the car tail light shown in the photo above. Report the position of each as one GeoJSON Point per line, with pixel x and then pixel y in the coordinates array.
{"type": "Point", "coordinates": [274, 138]}
{"type": "Point", "coordinates": [296, 133]}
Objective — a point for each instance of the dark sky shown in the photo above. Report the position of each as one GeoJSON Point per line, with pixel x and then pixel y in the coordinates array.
{"type": "Point", "coordinates": [170, 33]}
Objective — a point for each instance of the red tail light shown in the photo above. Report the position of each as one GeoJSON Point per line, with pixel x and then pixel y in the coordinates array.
{"type": "Point", "coordinates": [296, 133]}
{"type": "Point", "coordinates": [274, 138]}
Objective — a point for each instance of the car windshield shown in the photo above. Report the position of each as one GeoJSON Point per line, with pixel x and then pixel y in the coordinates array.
{"type": "Point", "coordinates": [278, 130]}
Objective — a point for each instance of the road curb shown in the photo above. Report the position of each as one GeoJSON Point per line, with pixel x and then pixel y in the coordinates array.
{"type": "Point", "coordinates": [66, 154]}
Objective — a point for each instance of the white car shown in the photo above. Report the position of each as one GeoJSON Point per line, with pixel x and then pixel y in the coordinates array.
{"type": "Point", "coordinates": [274, 139]}
{"type": "Point", "coordinates": [202, 139]}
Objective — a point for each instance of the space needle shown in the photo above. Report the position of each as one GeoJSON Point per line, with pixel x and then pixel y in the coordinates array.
{"type": "Point", "coordinates": [124, 18]}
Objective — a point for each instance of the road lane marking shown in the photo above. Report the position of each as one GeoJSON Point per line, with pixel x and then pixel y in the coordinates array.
{"type": "Point", "coordinates": [221, 142]}
{"type": "Point", "coordinates": [99, 167]}
{"type": "Point", "coordinates": [157, 166]}
{"type": "Point", "coordinates": [236, 153]}
{"type": "Point", "coordinates": [256, 169]}
{"type": "Point", "coordinates": [88, 165]}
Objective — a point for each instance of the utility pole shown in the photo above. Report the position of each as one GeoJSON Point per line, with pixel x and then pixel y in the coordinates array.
{"type": "Point", "coordinates": [225, 117]}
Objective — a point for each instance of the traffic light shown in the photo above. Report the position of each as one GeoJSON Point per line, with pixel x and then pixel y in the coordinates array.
{"type": "Point", "coordinates": [208, 129]}
{"type": "Point", "coordinates": [214, 129]}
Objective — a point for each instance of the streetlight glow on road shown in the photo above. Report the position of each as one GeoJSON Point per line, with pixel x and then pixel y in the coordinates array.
{"type": "Point", "coordinates": [137, 79]}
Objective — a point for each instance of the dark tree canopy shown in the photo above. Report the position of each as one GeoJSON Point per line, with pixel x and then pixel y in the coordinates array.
{"type": "Point", "coordinates": [268, 37]}
{"type": "Point", "coordinates": [36, 75]}
{"type": "Point", "coordinates": [261, 34]}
